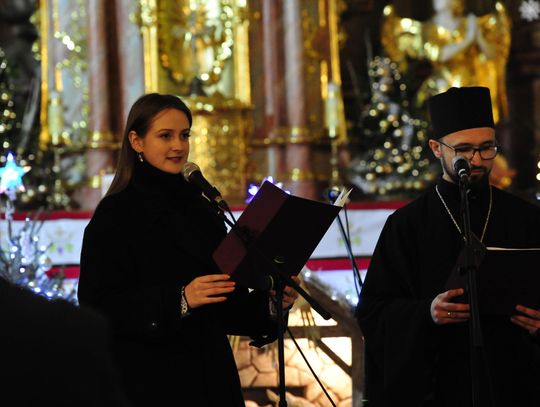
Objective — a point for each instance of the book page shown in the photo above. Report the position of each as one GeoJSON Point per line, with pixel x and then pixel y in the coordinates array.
{"type": "Point", "coordinates": [495, 249]}
{"type": "Point", "coordinates": [342, 198]}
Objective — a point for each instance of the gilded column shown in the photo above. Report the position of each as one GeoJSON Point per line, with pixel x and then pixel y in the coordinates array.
{"type": "Point", "coordinates": [52, 108]}
{"type": "Point", "coordinates": [298, 153]}
{"type": "Point", "coordinates": [99, 152]}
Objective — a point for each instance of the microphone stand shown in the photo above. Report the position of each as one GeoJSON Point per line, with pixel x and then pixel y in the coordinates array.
{"type": "Point", "coordinates": [280, 279]}
{"type": "Point", "coordinates": [350, 255]}
{"type": "Point", "coordinates": [470, 266]}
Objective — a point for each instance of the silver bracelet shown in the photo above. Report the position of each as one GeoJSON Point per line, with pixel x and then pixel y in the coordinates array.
{"type": "Point", "coordinates": [184, 306]}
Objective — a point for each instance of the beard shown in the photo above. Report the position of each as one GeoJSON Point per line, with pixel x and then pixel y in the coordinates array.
{"type": "Point", "coordinates": [479, 174]}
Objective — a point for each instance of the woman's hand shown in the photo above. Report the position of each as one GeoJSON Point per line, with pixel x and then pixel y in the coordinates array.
{"type": "Point", "coordinates": [530, 321]}
{"type": "Point", "coordinates": [445, 312]}
{"type": "Point", "coordinates": [289, 294]}
{"type": "Point", "coordinates": [208, 289]}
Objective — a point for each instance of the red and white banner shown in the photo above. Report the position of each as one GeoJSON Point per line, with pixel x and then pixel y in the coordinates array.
{"type": "Point", "coordinates": [63, 232]}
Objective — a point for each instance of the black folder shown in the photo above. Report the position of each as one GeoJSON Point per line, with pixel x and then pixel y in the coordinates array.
{"type": "Point", "coordinates": [284, 231]}
{"type": "Point", "coordinates": [505, 278]}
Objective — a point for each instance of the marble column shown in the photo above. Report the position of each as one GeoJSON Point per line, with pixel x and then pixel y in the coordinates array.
{"type": "Point", "coordinates": [99, 152]}
{"type": "Point", "coordinates": [298, 152]}
{"type": "Point", "coordinates": [130, 57]}
{"type": "Point", "coordinates": [273, 89]}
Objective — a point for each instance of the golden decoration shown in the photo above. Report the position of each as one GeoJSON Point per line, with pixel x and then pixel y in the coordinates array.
{"type": "Point", "coordinates": [148, 24]}
{"type": "Point", "coordinates": [102, 139]}
{"type": "Point", "coordinates": [457, 58]}
{"type": "Point", "coordinates": [299, 174]}
{"type": "Point", "coordinates": [218, 144]}
{"type": "Point", "coordinates": [43, 24]}
{"type": "Point", "coordinates": [188, 50]}
{"type": "Point", "coordinates": [74, 63]}
{"type": "Point", "coordinates": [55, 121]}
{"type": "Point", "coordinates": [188, 43]}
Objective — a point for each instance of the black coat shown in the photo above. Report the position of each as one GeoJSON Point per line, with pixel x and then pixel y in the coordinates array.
{"type": "Point", "coordinates": [141, 246]}
{"type": "Point", "coordinates": [410, 361]}
{"type": "Point", "coordinates": [53, 353]}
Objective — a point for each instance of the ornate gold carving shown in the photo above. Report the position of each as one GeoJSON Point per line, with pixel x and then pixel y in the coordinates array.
{"type": "Point", "coordinates": [148, 26]}
{"type": "Point", "coordinates": [73, 63]}
{"type": "Point", "coordinates": [218, 144]}
{"type": "Point", "coordinates": [473, 53]}
{"type": "Point", "coordinates": [188, 49]}
{"type": "Point", "coordinates": [188, 43]}
{"type": "Point", "coordinates": [195, 39]}
{"type": "Point", "coordinates": [44, 137]}
{"type": "Point", "coordinates": [242, 80]}
{"type": "Point", "coordinates": [339, 131]}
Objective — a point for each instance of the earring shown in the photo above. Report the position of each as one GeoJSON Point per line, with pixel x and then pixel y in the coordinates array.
{"type": "Point", "coordinates": [140, 157]}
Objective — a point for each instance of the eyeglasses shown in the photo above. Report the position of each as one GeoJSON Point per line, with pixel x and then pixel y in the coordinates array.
{"type": "Point", "coordinates": [486, 152]}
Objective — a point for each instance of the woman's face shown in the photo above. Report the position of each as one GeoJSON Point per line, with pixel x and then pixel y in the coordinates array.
{"type": "Point", "coordinates": [166, 144]}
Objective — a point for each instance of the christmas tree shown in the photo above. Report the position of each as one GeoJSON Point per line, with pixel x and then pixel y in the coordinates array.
{"type": "Point", "coordinates": [8, 117]}
{"type": "Point", "coordinates": [23, 259]}
{"type": "Point", "coordinates": [391, 158]}
{"type": "Point", "coordinates": [19, 135]}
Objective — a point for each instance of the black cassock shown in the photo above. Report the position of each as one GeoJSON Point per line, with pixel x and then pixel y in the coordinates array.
{"type": "Point", "coordinates": [409, 359]}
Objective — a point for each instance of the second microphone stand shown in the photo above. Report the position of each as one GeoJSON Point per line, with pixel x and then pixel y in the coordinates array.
{"type": "Point", "coordinates": [280, 279]}
{"type": "Point", "coordinates": [331, 197]}
{"type": "Point", "coordinates": [469, 266]}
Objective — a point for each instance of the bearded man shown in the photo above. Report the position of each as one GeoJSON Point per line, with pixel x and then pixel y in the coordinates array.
{"type": "Point", "coordinates": [416, 330]}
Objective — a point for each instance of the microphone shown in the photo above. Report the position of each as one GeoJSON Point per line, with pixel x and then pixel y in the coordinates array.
{"type": "Point", "coordinates": [461, 167]}
{"type": "Point", "coordinates": [331, 194]}
{"type": "Point", "coordinates": [193, 174]}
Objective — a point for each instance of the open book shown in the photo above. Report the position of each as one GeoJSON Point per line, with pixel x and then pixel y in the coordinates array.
{"type": "Point", "coordinates": [506, 277]}
{"type": "Point", "coordinates": [278, 230]}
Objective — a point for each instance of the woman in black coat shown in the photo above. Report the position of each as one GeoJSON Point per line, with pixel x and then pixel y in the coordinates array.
{"type": "Point", "coordinates": [146, 263]}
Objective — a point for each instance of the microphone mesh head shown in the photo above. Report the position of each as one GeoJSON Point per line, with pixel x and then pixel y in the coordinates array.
{"type": "Point", "coordinates": [460, 159]}
{"type": "Point", "coordinates": [190, 168]}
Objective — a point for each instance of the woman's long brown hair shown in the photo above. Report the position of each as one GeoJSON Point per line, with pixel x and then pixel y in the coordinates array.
{"type": "Point", "coordinates": [140, 117]}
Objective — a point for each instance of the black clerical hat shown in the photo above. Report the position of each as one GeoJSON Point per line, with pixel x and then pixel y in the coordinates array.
{"type": "Point", "coordinates": [460, 109]}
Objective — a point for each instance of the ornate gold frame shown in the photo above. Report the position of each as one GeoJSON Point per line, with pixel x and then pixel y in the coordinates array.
{"type": "Point", "coordinates": [221, 124]}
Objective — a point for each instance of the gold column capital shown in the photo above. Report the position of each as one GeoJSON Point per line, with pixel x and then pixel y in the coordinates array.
{"type": "Point", "coordinates": [299, 174]}
{"type": "Point", "coordinates": [146, 19]}
{"type": "Point", "coordinates": [292, 136]}
{"type": "Point", "coordinates": [102, 139]}
{"type": "Point", "coordinates": [148, 13]}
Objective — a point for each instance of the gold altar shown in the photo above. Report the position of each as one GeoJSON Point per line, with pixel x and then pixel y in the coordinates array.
{"type": "Point", "coordinates": [188, 51]}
